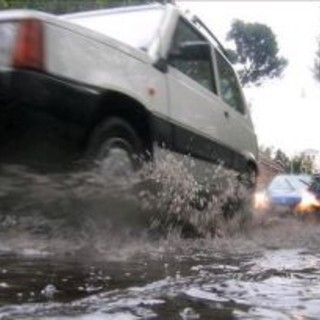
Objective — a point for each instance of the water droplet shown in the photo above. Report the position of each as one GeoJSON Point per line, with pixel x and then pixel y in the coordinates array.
{"type": "Point", "coordinates": [49, 291]}
{"type": "Point", "coordinates": [189, 314]}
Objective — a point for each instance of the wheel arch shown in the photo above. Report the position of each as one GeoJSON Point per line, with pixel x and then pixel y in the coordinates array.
{"type": "Point", "coordinates": [251, 165]}
{"type": "Point", "coordinates": [251, 162]}
{"type": "Point", "coordinates": [117, 104]}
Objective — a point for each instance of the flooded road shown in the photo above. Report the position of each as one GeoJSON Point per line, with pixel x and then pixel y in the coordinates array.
{"type": "Point", "coordinates": [60, 259]}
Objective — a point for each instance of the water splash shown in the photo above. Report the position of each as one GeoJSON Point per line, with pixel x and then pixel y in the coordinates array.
{"type": "Point", "coordinates": [88, 210]}
{"type": "Point", "coordinates": [178, 200]}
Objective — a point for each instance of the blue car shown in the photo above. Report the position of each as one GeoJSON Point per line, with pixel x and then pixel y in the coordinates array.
{"type": "Point", "coordinates": [287, 194]}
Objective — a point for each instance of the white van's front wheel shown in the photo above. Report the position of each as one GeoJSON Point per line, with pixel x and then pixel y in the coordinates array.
{"type": "Point", "coordinates": [115, 147]}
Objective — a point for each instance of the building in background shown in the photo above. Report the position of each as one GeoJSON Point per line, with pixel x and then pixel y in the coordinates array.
{"type": "Point", "coordinates": [314, 155]}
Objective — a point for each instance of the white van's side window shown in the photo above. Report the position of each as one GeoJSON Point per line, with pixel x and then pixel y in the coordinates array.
{"type": "Point", "coordinates": [190, 53]}
{"type": "Point", "coordinates": [229, 85]}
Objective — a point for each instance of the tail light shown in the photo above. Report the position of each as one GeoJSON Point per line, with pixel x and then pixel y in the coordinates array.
{"type": "Point", "coordinates": [29, 50]}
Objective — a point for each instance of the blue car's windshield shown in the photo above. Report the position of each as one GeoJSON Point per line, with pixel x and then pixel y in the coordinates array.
{"type": "Point", "coordinates": [290, 183]}
{"type": "Point", "coordinates": [300, 182]}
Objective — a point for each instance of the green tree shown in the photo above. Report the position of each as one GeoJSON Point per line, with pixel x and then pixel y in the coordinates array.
{"type": "Point", "coordinates": [65, 6]}
{"type": "Point", "coordinates": [266, 151]}
{"type": "Point", "coordinates": [256, 52]}
{"type": "Point", "coordinates": [303, 164]}
{"type": "Point", "coordinates": [282, 159]}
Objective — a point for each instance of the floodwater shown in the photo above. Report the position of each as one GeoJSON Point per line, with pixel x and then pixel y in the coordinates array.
{"type": "Point", "coordinates": [70, 249]}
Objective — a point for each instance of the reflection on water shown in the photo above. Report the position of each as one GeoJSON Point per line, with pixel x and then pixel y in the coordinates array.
{"type": "Point", "coordinates": [230, 278]}
{"type": "Point", "coordinates": [78, 247]}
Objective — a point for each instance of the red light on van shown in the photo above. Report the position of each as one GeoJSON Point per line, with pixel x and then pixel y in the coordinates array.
{"type": "Point", "coordinates": [29, 50]}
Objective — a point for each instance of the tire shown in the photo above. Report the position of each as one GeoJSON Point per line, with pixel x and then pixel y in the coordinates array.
{"type": "Point", "coordinates": [116, 147]}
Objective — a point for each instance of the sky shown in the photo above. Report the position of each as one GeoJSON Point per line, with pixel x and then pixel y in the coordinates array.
{"type": "Point", "coordinates": [285, 111]}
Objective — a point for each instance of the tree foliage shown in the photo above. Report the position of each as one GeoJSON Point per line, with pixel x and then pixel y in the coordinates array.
{"type": "Point", "coordinates": [303, 164]}
{"type": "Point", "coordinates": [266, 151]}
{"type": "Point", "coordinates": [283, 160]}
{"type": "Point", "coordinates": [316, 69]}
{"type": "Point", "coordinates": [65, 6]}
{"type": "Point", "coordinates": [298, 164]}
{"type": "Point", "coordinates": [256, 52]}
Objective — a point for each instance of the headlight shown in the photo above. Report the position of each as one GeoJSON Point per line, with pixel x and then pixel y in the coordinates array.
{"type": "Point", "coordinates": [308, 202]}
{"type": "Point", "coordinates": [260, 200]}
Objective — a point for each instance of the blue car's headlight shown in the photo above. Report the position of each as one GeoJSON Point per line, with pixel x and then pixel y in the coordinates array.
{"type": "Point", "coordinates": [308, 202]}
{"type": "Point", "coordinates": [260, 200]}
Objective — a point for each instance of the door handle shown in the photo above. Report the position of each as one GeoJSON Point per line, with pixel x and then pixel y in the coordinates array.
{"type": "Point", "coordinates": [226, 114]}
